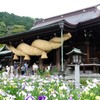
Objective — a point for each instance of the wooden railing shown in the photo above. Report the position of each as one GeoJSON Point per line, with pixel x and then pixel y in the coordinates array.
{"type": "Point", "coordinates": [91, 60]}
{"type": "Point", "coordinates": [93, 63]}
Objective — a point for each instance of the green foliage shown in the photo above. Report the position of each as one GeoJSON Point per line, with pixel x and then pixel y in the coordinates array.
{"type": "Point", "coordinates": [3, 28]}
{"type": "Point", "coordinates": [17, 28]}
{"type": "Point", "coordinates": [92, 90]}
{"type": "Point", "coordinates": [54, 88]}
{"type": "Point", "coordinates": [11, 24]}
{"type": "Point", "coordinates": [83, 81]}
{"type": "Point", "coordinates": [1, 45]}
{"type": "Point", "coordinates": [11, 19]}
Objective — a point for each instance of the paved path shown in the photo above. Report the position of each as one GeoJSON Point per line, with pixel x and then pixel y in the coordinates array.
{"type": "Point", "coordinates": [72, 76]}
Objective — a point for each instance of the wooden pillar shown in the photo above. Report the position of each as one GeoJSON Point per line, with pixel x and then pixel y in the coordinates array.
{"type": "Point", "coordinates": [58, 59]}
{"type": "Point", "coordinates": [12, 58]}
{"type": "Point", "coordinates": [88, 52]}
{"type": "Point", "coordinates": [97, 69]}
{"type": "Point", "coordinates": [40, 63]}
{"type": "Point", "coordinates": [94, 69]}
{"type": "Point", "coordinates": [83, 69]}
{"type": "Point", "coordinates": [21, 60]}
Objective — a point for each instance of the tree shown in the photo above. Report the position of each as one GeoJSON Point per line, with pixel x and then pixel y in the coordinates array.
{"type": "Point", "coordinates": [3, 28]}
{"type": "Point", "coordinates": [11, 19]}
{"type": "Point", "coordinates": [17, 29]}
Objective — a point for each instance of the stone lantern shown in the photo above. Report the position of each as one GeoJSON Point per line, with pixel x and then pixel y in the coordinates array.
{"type": "Point", "coordinates": [76, 56]}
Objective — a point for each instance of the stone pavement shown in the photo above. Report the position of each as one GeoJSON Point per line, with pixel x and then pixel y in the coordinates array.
{"type": "Point", "coordinates": [72, 76]}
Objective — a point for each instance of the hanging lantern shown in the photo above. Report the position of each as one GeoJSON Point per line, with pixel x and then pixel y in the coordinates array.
{"type": "Point", "coordinates": [15, 57]}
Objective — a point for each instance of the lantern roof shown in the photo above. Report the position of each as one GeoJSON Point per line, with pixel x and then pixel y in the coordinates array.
{"type": "Point", "coordinates": [75, 51]}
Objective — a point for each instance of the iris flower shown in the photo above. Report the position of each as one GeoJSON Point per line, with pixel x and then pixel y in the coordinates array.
{"type": "Point", "coordinates": [29, 97]}
{"type": "Point", "coordinates": [42, 97]}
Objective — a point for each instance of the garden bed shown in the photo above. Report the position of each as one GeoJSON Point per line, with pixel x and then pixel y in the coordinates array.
{"type": "Point", "coordinates": [47, 88]}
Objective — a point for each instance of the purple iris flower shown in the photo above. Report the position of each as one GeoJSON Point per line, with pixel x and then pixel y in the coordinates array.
{"type": "Point", "coordinates": [42, 97]}
{"type": "Point", "coordinates": [29, 98]}
{"type": "Point", "coordinates": [70, 98]}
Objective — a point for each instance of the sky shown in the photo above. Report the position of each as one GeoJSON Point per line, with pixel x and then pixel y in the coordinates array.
{"type": "Point", "coordinates": [44, 8]}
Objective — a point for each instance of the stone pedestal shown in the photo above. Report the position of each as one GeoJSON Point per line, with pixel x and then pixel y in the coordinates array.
{"type": "Point", "coordinates": [77, 76]}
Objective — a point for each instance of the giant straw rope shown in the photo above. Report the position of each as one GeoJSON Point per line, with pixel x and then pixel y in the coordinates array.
{"type": "Point", "coordinates": [38, 47]}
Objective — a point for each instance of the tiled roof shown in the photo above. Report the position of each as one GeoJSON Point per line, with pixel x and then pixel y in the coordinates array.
{"type": "Point", "coordinates": [72, 18]}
